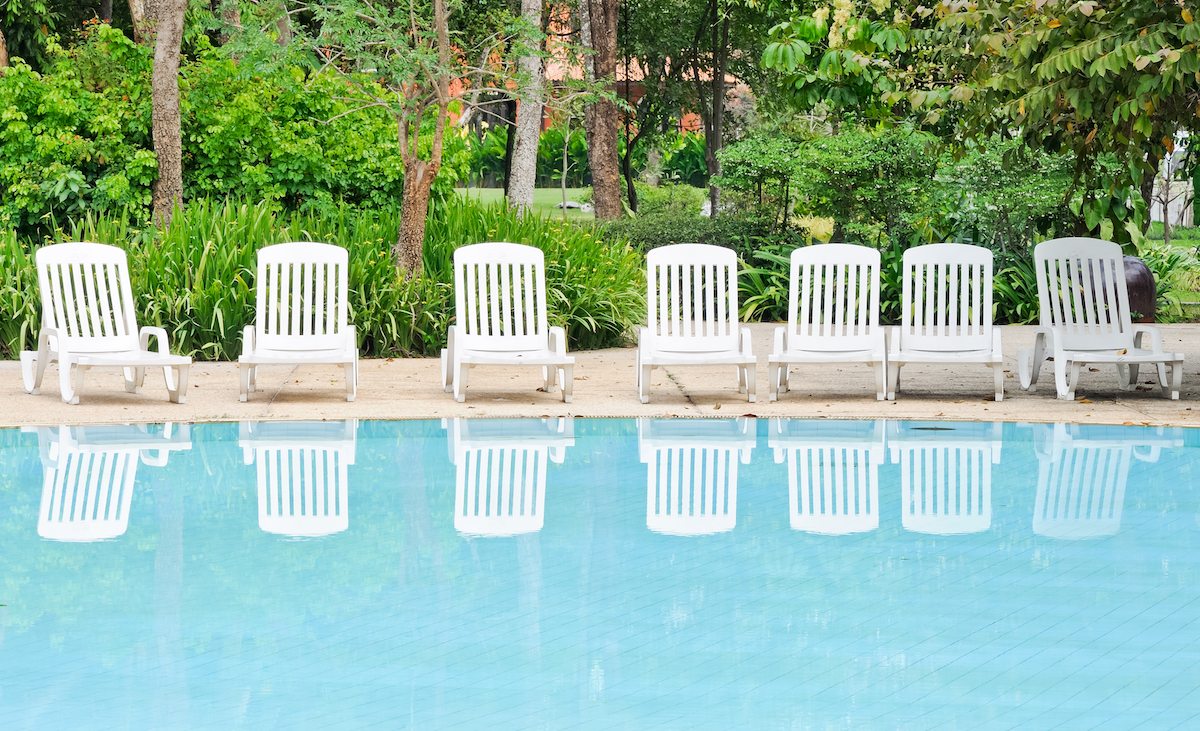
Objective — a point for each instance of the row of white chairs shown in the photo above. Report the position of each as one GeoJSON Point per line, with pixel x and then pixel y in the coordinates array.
{"type": "Point", "coordinates": [692, 466]}
{"type": "Point", "coordinates": [501, 319]}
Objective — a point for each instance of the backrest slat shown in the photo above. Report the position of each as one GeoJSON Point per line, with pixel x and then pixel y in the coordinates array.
{"type": "Point", "coordinates": [86, 297]}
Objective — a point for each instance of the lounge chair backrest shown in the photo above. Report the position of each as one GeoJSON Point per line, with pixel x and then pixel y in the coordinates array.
{"type": "Point", "coordinates": [692, 298]}
{"type": "Point", "coordinates": [302, 297]}
{"type": "Point", "coordinates": [946, 300]}
{"type": "Point", "coordinates": [1082, 292]}
{"type": "Point", "coordinates": [833, 298]}
{"type": "Point", "coordinates": [501, 490]}
{"type": "Point", "coordinates": [833, 474]}
{"type": "Point", "coordinates": [86, 297]}
{"type": "Point", "coordinates": [500, 297]}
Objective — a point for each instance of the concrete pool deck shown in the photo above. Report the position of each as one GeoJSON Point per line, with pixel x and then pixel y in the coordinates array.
{"type": "Point", "coordinates": [410, 388]}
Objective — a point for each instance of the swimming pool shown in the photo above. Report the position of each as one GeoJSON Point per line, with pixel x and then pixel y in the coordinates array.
{"type": "Point", "coordinates": [600, 574]}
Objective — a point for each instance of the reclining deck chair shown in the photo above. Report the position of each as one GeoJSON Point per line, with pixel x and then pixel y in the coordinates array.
{"type": "Point", "coordinates": [692, 303]}
{"type": "Point", "coordinates": [500, 471]}
{"type": "Point", "coordinates": [300, 315]}
{"type": "Point", "coordinates": [88, 321]}
{"type": "Point", "coordinates": [833, 473]}
{"type": "Point", "coordinates": [89, 472]}
{"type": "Point", "coordinates": [302, 473]}
{"type": "Point", "coordinates": [946, 312]}
{"type": "Point", "coordinates": [500, 318]}
{"type": "Point", "coordinates": [833, 314]}
{"type": "Point", "coordinates": [1085, 318]}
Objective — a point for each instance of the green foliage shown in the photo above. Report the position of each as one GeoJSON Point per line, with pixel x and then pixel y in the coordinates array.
{"type": "Point", "coordinates": [197, 279]}
{"type": "Point", "coordinates": [873, 184]}
{"type": "Point", "coordinates": [742, 233]}
{"type": "Point", "coordinates": [671, 199]}
{"type": "Point", "coordinates": [683, 159]}
{"type": "Point", "coordinates": [763, 284]}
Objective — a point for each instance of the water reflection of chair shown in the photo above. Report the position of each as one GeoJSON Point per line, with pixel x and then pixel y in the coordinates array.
{"type": "Point", "coordinates": [833, 473]}
{"type": "Point", "coordinates": [1083, 473]}
{"type": "Point", "coordinates": [945, 475]}
{"type": "Point", "coordinates": [692, 472]}
{"type": "Point", "coordinates": [89, 473]}
{"type": "Point", "coordinates": [302, 474]}
{"type": "Point", "coordinates": [500, 472]}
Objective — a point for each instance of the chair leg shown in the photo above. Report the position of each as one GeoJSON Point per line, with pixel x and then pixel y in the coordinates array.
{"type": "Point", "coordinates": [998, 378]}
{"type": "Point", "coordinates": [1065, 390]}
{"type": "Point", "coordinates": [893, 370]}
{"type": "Point", "coordinates": [1127, 376]}
{"type": "Point", "coordinates": [178, 395]}
{"type": "Point", "coordinates": [243, 382]}
{"type": "Point", "coordinates": [773, 379]}
{"type": "Point", "coordinates": [881, 375]}
{"type": "Point", "coordinates": [750, 376]}
{"type": "Point", "coordinates": [460, 383]}
{"type": "Point", "coordinates": [351, 370]}
{"type": "Point", "coordinates": [1076, 369]}
{"type": "Point", "coordinates": [566, 375]}
{"type": "Point", "coordinates": [70, 381]}
{"type": "Point", "coordinates": [131, 379]}
{"type": "Point", "coordinates": [253, 378]}
{"type": "Point", "coordinates": [33, 369]}
{"type": "Point", "coordinates": [644, 383]}
{"type": "Point", "coordinates": [741, 379]}
{"type": "Point", "coordinates": [1029, 363]}
{"type": "Point", "coordinates": [1176, 380]}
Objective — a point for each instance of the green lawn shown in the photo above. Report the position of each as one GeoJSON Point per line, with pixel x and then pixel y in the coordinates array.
{"type": "Point", "coordinates": [545, 200]}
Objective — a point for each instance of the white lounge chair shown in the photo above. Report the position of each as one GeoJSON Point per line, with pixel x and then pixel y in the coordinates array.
{"type": "Point", "coordinates": [302, 473]}
{"type": "Point", "coordinates": [88, 476]}
{"type": "Point", "coordinates": [88, 321]}
{"type": "Point", "coordinates": [500, 317]}
{"type": "Point", "coordinates": [945, 475]}
{"type": "Point", "coordinates": [692, 303]}
{"type": "Point", "coordinates": [692, 472]}
{"type": "Point", "coordinates": [1085, 319]}
{"type": "Point", "coordinates": [1083, 472]}
{"type": "Point", "coordinates": [500, 472]}
{"type": "Point", "coordinates": [833, 314]}
{"type": "Point", "coordinates": [946, 312]}
{"type": "Point", "coordinates": [833, 473]}
{"type": "Point", "coordinates": [300, 313]}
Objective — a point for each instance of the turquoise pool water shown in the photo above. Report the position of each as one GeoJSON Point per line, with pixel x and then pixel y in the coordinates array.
{"type": "Point", "coordinates": [600, 574]}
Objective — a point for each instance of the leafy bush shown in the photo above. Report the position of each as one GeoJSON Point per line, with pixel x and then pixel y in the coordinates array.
{"type": "Point", "coordinates": [742, 233]}
{"type": "Point", "coordinates": [197, 279]}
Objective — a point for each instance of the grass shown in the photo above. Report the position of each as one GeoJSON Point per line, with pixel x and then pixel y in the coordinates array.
{"type": "Point", "coordinates": [545, 200]}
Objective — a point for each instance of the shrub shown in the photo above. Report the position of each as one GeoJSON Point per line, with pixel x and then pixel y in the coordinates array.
{"type": "Point", "coordinates": [197, 279]}
{"type": "Point", "coordinates": [742, 233]}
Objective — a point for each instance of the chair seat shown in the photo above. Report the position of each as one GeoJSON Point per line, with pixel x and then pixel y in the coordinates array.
{"type": "Point", "coordinates": [950, 356]}
{"type": "Point", "coordinates": [510, 357]}
{"type": "Point", "coordinates": [130, 359]}
{"type": "Point", "coordinates": [827, 356]}
{"type": "Point", "coordinates": [720, 357]}
{"type": "Point", "coordinates": [1133, 355]}
{"type": "Point", "coordinates": [263, 356]}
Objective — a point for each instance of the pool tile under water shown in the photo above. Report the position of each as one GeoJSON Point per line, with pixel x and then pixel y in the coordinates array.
{"type": "Point", "coordinates": [600, 574]}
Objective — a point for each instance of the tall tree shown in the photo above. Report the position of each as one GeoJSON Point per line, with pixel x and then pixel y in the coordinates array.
{"type": "Point", "coordinates": [167, 24]}
{"type": "Point", "coordinates": [140, 19]}
{"type": "Point", "coordinates": [529, 111]}
{"type": "Point", "coordinates": [601, 118]}
{"type": "Point", "coordinates": [3, 50]}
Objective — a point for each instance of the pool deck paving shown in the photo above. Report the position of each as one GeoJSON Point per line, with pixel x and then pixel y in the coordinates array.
{"type": "Point", "coordinates": [410, 388]}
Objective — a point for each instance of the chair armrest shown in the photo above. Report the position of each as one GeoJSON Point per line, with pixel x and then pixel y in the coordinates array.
{"type": "Point", "coordinates": [352, 336]}
{"type": "Point", "coordinates": [248, 339]}
{"type": "Point", "coordinates": [1139, 331]}
{"type": "Point", "coordinates": [997, 348]}
{"type": "Point", "coordinates": [779, 341]}
{"type": "Point", "coordinates": [558, 340]}
{"type": "Point", "coordinates": [160, 337]}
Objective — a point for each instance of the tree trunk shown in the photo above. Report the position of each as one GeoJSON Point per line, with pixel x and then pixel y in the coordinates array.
{"type": "Point", "coordinates": [410, 244]}
{"type": "Point", "coordinates": [284, 28]}
{"type": "Point", "coordinates": [600, 118]}
{"type": "Point", "coordinates": [141, 23]}
{"type": "Point", "coordinates": [510, 140]}
{"type": "Point", "coordinates": [3, 51]}
{"type": "Point", "coordinates": [529, 118]}
{"type": "Point", "coordinates": [715, 131]}
{"type": "Point", "coordinates": [168, 143]}
{"type": "Point", "coordinates": [106, 10]}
